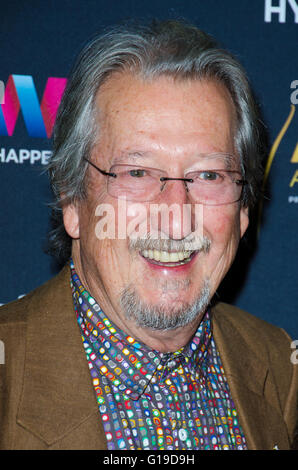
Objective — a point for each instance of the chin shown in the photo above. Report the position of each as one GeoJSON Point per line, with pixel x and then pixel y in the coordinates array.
{"type": "Point", "coordinates": [163, 315]}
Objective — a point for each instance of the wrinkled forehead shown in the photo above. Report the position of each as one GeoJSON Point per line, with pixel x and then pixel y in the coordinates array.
{"type": "Point", "coordinates": [138, 117]}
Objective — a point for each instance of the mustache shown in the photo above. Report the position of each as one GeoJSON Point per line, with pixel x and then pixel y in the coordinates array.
{"type": "Point", "coordinates": [198, 243]}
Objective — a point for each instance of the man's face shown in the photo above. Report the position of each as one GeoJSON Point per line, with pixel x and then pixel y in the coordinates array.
{"type": "Point", "coordinates": [172, 126]}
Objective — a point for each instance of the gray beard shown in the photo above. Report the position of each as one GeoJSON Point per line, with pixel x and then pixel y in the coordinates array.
{"type": "Point", "coordinates": [163, 317]}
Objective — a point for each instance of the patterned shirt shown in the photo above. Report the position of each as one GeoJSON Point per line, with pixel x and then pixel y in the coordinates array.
{"type": "Point", "coordinates": [152, 400]}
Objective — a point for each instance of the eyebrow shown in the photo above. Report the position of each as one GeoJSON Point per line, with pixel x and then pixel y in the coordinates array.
{"type": "Point", "coordinates": [229, 159]}
{"type": "Point", "coordinates": [135, 154]}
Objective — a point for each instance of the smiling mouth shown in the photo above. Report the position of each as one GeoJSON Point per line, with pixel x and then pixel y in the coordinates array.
{"type": "Point", "coordinates": [168, 258]}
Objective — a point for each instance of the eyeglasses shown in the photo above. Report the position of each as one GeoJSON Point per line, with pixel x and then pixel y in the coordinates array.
{"type": "Point", "coordinates": [209, 187]}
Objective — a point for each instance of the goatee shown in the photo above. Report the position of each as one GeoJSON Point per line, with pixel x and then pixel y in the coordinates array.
{"type": "Point", "coordinates": [163, 317]}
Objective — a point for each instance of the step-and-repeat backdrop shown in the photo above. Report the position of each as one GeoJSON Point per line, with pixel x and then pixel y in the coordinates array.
{"type": "Point", "coordinates": [39, 41]}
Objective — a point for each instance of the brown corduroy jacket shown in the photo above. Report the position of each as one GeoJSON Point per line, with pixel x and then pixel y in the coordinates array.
{"type": "Point", "coordinates": [46, 394]}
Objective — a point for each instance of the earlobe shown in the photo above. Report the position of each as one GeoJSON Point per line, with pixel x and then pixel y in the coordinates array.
{"type": "Point", "coordinates": [244, 220]}
{"type": "Point", "coordinates": [71, 220]}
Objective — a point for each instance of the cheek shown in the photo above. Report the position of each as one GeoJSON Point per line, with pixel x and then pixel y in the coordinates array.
{"type": "Point", "coordinates": [222, 225]}
{"type": "Point", "coordinates": [131, 220]}
{"type": "Point", "coordinates": [88, 222]}
{"type": "Point", "coordinates": [103, 234]}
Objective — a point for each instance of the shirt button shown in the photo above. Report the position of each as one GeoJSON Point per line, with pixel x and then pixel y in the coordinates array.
{"type": "Point", "coordinates": [182, 433]}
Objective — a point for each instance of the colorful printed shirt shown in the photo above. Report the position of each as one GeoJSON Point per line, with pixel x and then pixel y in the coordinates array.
{"type": "Point", "coordinates": [152, 400]}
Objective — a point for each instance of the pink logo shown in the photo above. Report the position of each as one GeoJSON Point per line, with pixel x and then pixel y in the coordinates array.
{"type": "Point", "coordinates": [20, 93]}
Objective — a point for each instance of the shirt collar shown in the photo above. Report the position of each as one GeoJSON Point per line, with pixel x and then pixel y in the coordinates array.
{"type": "Point", "coordinates": [127, 363]}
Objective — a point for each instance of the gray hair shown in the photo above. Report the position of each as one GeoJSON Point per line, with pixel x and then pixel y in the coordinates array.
{"type": "Point", "coordinates": [171, 48]}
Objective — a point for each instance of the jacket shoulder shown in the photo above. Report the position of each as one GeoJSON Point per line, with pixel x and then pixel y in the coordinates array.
{"type": "Point", "coordinates": [259, 355]}
{"type": "Point", "coordinates": [14, 312]}
{"type": "Point", "coordinates": [251, 327]}
{"type": "Point", "coordinates": [17, 311]}
{"type": "Point", "coordinates": [15, 317]}
{"type": "Point", "coordinates": [269, 344]}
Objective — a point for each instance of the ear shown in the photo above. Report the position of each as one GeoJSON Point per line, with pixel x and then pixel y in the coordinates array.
{"type": "Point", "coordinates": [244, 220]}
{"type": "Point", "coordinates": [71, 220]}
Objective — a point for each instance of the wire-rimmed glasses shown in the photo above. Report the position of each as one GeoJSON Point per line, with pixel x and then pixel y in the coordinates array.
{"type": "Point", "coordinates": [208, 186]}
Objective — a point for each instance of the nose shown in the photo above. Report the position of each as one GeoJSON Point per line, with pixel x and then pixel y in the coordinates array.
{"type": "Point", "coordinates": [173, 215]}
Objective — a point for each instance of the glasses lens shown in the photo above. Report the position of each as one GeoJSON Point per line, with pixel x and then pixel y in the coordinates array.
{"type": "Point", "coordinates": [215, 187]}
{"type": "Point", "coordinates": [209, 187]}
{"type": "Point", "coordinates": [134, 183]}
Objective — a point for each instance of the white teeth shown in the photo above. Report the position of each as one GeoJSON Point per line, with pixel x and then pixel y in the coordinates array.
{"type": "Point", "coordinates": [165, 256]}
{"type": "Point", "coordinates": [174, 257]}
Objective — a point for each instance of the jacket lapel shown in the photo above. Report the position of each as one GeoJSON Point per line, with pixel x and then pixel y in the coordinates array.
{"type": "Point", "coordinates": [58, 394]}
{"type": "Point", "coordinates": [250, 381]}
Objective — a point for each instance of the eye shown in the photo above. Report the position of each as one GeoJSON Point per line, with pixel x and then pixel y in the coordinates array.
{"type": "Point", "coordinates": [209, 175]}
{"type": "Point", "coordinates": [137, 173]}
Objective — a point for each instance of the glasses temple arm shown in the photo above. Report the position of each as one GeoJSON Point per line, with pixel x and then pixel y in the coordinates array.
{"type": "Point", "coordinates": [105, 173]}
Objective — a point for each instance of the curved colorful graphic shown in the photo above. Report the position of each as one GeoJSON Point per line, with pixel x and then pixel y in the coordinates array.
{"type": "Point", "coordinates": [20, 93]}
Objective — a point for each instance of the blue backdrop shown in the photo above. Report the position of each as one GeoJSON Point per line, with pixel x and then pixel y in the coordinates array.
{"type": "Point", "coordinates": [40, 39]}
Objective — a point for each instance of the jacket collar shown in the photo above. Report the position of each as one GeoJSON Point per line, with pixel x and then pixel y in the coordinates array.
{"type": "Point", "coordinates": [58, 394]}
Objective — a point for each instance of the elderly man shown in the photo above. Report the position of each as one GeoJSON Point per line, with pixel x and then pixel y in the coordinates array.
{"type": "Point", "coordinates": [125, 348]}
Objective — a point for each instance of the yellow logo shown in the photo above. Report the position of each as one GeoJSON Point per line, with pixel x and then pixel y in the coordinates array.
{"type": "Point", "coordinates": [276, 144]}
